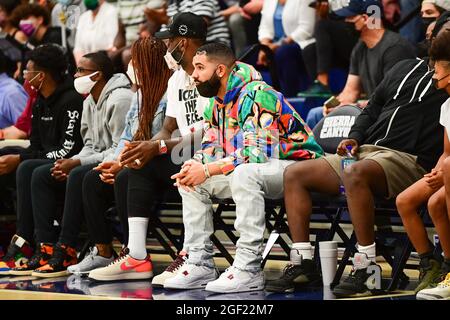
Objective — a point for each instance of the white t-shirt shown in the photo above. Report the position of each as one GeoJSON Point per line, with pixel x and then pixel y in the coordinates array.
{"type": "Point", "coordinates": [445, 115]}
{"type": "Point", "coordinates": [98, 34]}
{"type": "Point", "coordinates": [184, 103]}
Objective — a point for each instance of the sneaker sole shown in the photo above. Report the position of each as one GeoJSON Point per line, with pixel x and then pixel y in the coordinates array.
{"type": "Point", "coordinates": [124, 276]}
{"type": "Point", "coordinates": [50, 275]}
{"type": "Point", "coordinates": [243, 288]}
{"type": "Point", "coordinates": [5, 273]}
{"type": "Point", "coordinates": [199, 284]}
{"type": "Point", "coordinates": [21, 273]}
{"type": "Point", "coordinates": [429, 297]}
{"type": "Point", "coordinates": [296, 286]}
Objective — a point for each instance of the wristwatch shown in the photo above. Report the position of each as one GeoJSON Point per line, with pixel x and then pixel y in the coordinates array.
{"type": "Point", "coordinates": [162, 147]}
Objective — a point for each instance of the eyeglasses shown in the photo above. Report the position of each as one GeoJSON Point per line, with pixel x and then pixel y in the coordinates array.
{"type": "Point", "coordinates": [82, 70]}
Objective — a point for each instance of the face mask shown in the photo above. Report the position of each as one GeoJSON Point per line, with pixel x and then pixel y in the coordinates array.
{"type": "Point", "coordinates": [84, 84]}
{"type": "Point", "coordinates": [171, 62]}
{"type": "Point", "coordinates": [91, 4]}
{"type": "Point", "coordinates": [427, 21]}
{"type": "Point", "coordinates": [27, 27]}
{"type": "Point", "coordinates": [209, 88]}
{"type": "Point", "coordinates": [131, 74]}
{"type": "Point", "coordinates": [436, 82]}
{"type": "Point", "coordinates": [33, 87]}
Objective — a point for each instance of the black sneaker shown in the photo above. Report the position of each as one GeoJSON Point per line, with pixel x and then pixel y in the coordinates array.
{"type": "Point", "coordinates": [39, 259]}
{"type": "Point", "coordinates": [317, 90]}
{"type": "Point", "coordinates": [295, 276]}
{"type": "Point", "coordinates": [364, 280]}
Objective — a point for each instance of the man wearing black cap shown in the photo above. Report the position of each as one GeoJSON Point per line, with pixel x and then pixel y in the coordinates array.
{"type": "Point", "coordinates": [150, 162]}
{"type": "Point", "coordinates": [377, 51]}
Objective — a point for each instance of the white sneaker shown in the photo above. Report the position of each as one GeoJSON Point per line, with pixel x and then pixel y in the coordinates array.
{"type": "Point", "coordinates": [90, 262]}
{"type": "Point", "coordinates": [191, 276]}
{"type": "Point", "coordinates": [170, 272]}
{"type": "Point", "coordinates": [441, 292]}
{"type": "Point", "coordinates": [236, 280]}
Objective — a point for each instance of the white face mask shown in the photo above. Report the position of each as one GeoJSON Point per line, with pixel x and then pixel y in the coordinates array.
{"type": "Point", "coordinates": [131, 74]}
{"type": "Point", "coordinates": [84, 84]}
{"type": "Point", "coordinates": [172, 64]}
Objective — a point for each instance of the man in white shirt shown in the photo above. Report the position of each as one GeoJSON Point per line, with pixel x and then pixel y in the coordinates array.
{"type": "Point", "coordinates": [97, 28]}
{"type": "Point", "coordinates": [152, 163]}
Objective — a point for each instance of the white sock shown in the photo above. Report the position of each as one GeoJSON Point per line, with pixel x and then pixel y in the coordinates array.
{"type": "Point", "coordinates": [369, 250]}
{"type": "Point", "coordinates": [303, 248]}
{"type": "Point", "coordinates": [137, 236]}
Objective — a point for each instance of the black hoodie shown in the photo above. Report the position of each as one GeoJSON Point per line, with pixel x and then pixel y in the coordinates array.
{"type": "Point", "coordinates": [55, 126]}
{"type": "Point", "coordinates": [403, 113]}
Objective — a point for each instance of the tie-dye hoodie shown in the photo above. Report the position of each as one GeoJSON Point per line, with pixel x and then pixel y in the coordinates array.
{"type": "Point", "coordinates": [254, 122]}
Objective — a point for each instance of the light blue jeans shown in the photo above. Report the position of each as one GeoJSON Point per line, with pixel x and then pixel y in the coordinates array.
{"type": "Point", "coordinates": [248, 185]}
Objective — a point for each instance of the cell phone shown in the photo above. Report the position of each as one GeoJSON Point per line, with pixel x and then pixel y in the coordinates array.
{"type": "Point", "coordinates": [333, 102]}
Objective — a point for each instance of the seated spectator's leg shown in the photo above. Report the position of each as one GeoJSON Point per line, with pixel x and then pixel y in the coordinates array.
{"type": "Point", "coordinates": [73, 205]}
{"type": "Point", "coordinates": [408, 204]}
{"type": "Point", "coordinates": [25, 206]}
{"type": "Point", "coordinates": [289, 64]}
{"type": "Point", "coordinates": [250, 184]}
{"type": "Point", "coordinates": [300, 179]}
{"type": "Point", "coordinates": [413, 30]}
{"type": "Point", "coordinates": [314, 117]}
{"type": "Point", "coordinates": [120, 196]}
{"type": "Point", "coordinates": [309, 54]}
{"type": "Point", "coordinates": [198, 218]}
{"type": "Point", "coordinates": [437, 208]}
{"type": "Point", "coordinates": [98, 197]}
{"type": "Point", "coordinates": [144, 186]}
{"type": "Point", "coordinates": [362, 181]}
{"type": "Point", "coordinates": [237, 26]}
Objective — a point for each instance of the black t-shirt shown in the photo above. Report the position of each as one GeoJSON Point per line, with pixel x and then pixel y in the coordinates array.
{"type": "Point", "coordinates": [371, 65]}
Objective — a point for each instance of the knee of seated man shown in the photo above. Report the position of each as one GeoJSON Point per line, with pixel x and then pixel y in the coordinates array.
{"type": "Point", "coordinates": [355, 173]}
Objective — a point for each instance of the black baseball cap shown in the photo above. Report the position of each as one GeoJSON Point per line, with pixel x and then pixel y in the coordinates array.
{"type": "Point", "coordinates": [184, 24]}
{"type": "Point", "coordinates": [349, 8]}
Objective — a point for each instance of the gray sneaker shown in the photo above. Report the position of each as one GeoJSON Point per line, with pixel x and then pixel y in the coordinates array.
{"type": "Point", "coordinates": [90, 262]}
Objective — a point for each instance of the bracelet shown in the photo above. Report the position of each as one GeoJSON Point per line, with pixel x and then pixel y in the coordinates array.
{"type": "Point", "coordinates": [206, 170]}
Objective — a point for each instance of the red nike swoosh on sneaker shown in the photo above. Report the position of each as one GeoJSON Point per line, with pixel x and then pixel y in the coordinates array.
{"type": "Point", "coordinates": [125, 266]}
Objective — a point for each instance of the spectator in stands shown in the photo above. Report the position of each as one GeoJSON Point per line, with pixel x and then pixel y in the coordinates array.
{"type": "Point", "coordinates": [430, 189]}
{"type": "Point", "coordinates": [251, 11]}
{"type": "Point", "coordinates": [286, 27]}
{"type": "Point", "coordinates": [431, 11]}
{"type": "Point", "coordinates": [236, 24]}
{"type": "Point", "coordinates": [34, 21]}
{"type": "Point", "coordinates": [335, 40]}
{"type": "Point", "coordinates": [69, 11]}
{"type": "Point", "coordinates": [374, 55]}
{"type": "Point", "coordinates": [55, 135]}
{"type": "Point", "coordinates": [97, 28]}
{"type": "Point", "coordinates": [404, 105]}
{"type": "Point", "coordinates": [217, 28]}
{"type": "Point", "coordinates": [144, 120]}
{"type": "Point", "coordinates": [13, 97]}
{"type": "Point", "coordinates": [245, 110]}
{"type": "Point", "coordinates": [6, 24]}
{"type": "Point", "coordinates": [149, 161]}
{"type": "Point", "coordinates": [102, 123]}
{"type": "Point", "coordinates": [438, 203]}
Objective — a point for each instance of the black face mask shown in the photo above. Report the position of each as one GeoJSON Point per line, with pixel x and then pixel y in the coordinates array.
{"type": "Point", "coordinates": [436, 82]}
{"type": "Point", "coordinates": [209, 88]}
{"type": "Point", "coordinates": [426, 23]}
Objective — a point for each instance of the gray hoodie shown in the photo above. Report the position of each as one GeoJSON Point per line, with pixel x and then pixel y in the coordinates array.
{"type": "Point", "coordinates": [102, 123]}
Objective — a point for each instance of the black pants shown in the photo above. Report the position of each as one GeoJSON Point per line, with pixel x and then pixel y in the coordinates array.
{"type": "Point", "coordinates": [98, 197]}
{"type": "Point", "coordinates": [44, 192]}
{"type": "Point", "coordinates": [151, 183]}
{"type": "Point", "coordinates": [24, 176]}
{"type": "Point", "coordinates": [335, 41]}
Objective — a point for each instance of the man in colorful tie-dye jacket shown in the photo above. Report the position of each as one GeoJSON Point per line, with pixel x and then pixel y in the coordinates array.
{"type": "Point", "coordinates": [251, 135]}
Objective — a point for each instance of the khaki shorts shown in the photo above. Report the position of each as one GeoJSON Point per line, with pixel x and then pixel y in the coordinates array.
{"type": "Point", "coordinates": [401, 169]}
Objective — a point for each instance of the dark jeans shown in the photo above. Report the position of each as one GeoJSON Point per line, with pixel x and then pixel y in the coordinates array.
{"type": "Point", "coordinates": [289, 62]}
{"type": "Point", "coordinates": [98, 197]}
{"type": "Point", "coordinates": [335, 41]}
{"type": "Point", "coordinates": [44, 189]}
{"type": "Point", "coordinates": [149, 184]}
{"type": "Point", "coordinates": [24, 175]}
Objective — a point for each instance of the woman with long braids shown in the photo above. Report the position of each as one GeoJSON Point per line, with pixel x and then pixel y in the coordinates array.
{"type": "Point", "coordinates": [109, 181]}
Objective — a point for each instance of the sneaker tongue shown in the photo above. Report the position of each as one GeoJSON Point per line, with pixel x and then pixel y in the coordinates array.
{"type": "Point", "coordinates": [296, 257]}
{"type": "Point", "coordinates": [361, 261]}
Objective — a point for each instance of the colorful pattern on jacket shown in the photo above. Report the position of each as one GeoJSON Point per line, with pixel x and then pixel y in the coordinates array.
{"type": "Point", "coordinates": [252, 124]}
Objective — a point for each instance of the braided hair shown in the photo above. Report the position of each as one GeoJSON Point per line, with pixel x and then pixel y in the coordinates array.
{"type": "Point", "coordinates": [152, 73]}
